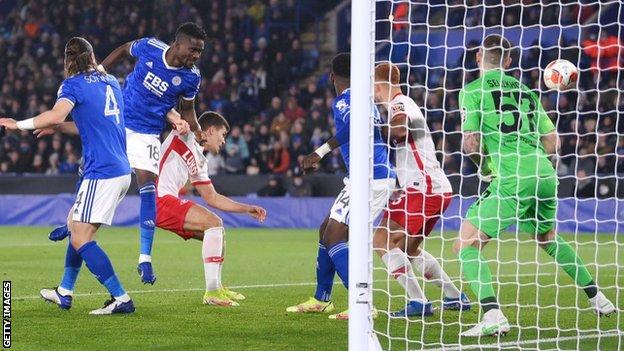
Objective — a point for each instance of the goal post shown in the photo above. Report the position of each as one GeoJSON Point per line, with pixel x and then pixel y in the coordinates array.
{"type": "Point", "coordinates": [434, 45]}
{"type": "Point", "coordinates": [360, 175]}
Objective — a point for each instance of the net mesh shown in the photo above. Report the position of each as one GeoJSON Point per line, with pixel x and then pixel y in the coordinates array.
{"type": "Point", "coordinates": [434, 45]}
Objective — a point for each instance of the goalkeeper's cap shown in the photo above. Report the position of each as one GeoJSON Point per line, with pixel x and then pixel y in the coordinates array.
{"type": "Point", "coordinates": [341, 65]}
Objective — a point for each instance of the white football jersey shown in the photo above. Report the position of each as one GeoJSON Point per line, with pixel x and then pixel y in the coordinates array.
{"type": "Point", "coordinates": [182, 158]}
{"type": "Point", "coordinates": [416, 162]}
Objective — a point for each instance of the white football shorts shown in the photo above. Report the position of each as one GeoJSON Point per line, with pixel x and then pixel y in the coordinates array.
{"type": "Point", "coordinates": [143, 151]}
{"type": "Point", "coordinates": [97, 199]}
{"type": "Point", "coordinates": [382, 189]}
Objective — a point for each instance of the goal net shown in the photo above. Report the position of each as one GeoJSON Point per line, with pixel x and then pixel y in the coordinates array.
{"type": "Point", "coordinates": [543, 288]}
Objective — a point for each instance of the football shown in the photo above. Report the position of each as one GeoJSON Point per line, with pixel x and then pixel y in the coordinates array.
{"type": "Point", "coordinates": [560, 75]}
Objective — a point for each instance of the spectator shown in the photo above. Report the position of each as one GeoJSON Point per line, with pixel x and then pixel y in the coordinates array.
{"type": "Point", "coordinates": [235, 144]}
{"type": "Point", "coordinates": [299, 187]}
{"type": "Point", "coordinates": [273, 188]}
{"type": "Point", "coordinates": [293, 111]}
{"type": "Point", "coordinates": [604, 52]}
{"type": "Point", "coordinates": [279, 159]}
{"type": "Point", "coordinates": [69, 165]}
{"type": "Point", "coordinates": [280, 124]}
{"type": "Point", "coordinates": [216, 164]}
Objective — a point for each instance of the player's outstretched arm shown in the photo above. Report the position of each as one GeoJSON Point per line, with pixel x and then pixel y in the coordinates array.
{"type": "Point", "coordinates": [223, 203]}
{"type": "Point", "coordinates": [119, 53]}
{"type": "Point", "coordinates": [187, 111]}
{"type": "Point", "coordinates": [68, 128]}
{"type": "Point", "coordinates": [47, 119]}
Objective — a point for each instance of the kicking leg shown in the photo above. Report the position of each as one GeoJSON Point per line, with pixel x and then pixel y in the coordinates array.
{"type": "Point", "coordinates": [147, 190]}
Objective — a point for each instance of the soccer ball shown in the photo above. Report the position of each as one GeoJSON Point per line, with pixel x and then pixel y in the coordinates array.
{"type": "Point", "coordinates": [560, 75]}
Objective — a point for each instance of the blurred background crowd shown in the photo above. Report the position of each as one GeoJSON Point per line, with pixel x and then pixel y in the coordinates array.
{"type": "Point", "coordinates": [276, 93]}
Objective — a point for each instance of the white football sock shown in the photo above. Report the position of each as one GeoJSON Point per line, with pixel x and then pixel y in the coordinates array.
{"type": "Point", "coordinates": [399, 267]}
{"type": "Point", "coordinates": [430, 268]}
{"type": "Point", "coordinates": [145, 258]}
{"type": "Point", "coordinates": [61, 290]}
{"type": "Point", "coordinates": [123, 298]}
{"type": "Point", "coordinates": [212, 254]}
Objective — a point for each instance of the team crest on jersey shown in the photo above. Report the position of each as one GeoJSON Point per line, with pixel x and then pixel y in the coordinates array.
{"type": "Point", "coordinates": [176, 80]}
{"type": "Point", "coordinates": [398, 107]}
{"type": "Point", "coordinates": [342, 106]}
{"type": "Point", "coordinates": [150, 64]}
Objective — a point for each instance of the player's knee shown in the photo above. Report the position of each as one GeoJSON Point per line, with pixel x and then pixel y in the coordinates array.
{"type": "Point", "coordinates": [211, 221]}
{"type": "Point", "coordinates": [462, 243]}
{"type": "Point", "coordinates": [380, 239]}
{"type": "Point", "coordinates": [545, 239]}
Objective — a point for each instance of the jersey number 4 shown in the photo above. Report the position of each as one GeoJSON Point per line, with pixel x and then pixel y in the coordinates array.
{"type": "Point", "coordinates": [110, 107]}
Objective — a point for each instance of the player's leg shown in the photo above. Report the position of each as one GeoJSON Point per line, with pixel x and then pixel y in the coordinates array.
{"type": "Point", "coordinates": [388, 243]}
{"type": "Point", "coordinates": [208, 227]}
{"type": "Point", "coordinates": [96, 205]}
{"type": "Point", "coordinates": [61, 232]}
{"type": "Point", "coordinates": [146, 182]}
{"type": "Point", "coordinates": [325, 269]}
{"type": "Point", "coordinates": [428, 265]}
{"type": "Point", "coordinates": [484, 220]}
{"type": "Point", "coordinates": [63, 294]}
{"type": "Point", "coordinates": [143, 154]}
{"type": "Point", "coordinates": [325, 272]}
{"type": "Point", "coordinates": [540, 221]}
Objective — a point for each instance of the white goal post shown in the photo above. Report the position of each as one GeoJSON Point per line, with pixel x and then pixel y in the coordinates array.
{"type": "Point", "coordinates": [434, 45]}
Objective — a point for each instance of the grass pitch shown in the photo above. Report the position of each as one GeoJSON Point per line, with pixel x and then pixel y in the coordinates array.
{"type": "Point", "coordinates": [275, 269]}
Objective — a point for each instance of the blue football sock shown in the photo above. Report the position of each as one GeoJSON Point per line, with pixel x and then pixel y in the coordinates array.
{"type": "Point", "coordinates": [325, 271]}
{"type": "Point", "coordinates": [73, 261]}
{"type": "Point", "coordinates": [339, 254]}
{"type": "Point", "coordinates": [98, 263]}
{"type": "Point", "coordinates": [147, 216]}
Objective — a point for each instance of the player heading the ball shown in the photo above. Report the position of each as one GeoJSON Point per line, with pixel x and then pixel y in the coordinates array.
{"type": "Point", "coordinates": [163, 76]}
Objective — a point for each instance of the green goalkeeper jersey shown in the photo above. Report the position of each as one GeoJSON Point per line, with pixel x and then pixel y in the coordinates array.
{"type": "Point", "coordinates": [511, 120]}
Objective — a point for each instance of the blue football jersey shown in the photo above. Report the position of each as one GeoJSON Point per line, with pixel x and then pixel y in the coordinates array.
{"type": "Point", "coordinates": [98, 114]}
{"type": "Point", "coordinates": [341, 108]}
{"type": "Point", "coordinates": [153, 87]}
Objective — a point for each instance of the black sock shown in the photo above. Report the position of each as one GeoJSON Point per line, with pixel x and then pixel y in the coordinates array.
{"type": "Point", "coordinates": [591, 289]}
{"type": "Point", "coordinates": [489, 303]}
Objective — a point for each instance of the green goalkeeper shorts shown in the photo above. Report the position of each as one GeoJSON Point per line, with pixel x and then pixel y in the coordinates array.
{"type": "Point", "coordinates": [530, 203]}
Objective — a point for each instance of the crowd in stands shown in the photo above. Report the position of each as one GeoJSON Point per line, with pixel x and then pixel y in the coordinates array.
{"type": "Point", "coordinates": [256, 72]}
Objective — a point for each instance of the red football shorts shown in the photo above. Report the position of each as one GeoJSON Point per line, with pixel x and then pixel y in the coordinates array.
{"type": "Point", "coordinates": [418, 212]}
{"type": "Point", "coordinates": [170, 214]}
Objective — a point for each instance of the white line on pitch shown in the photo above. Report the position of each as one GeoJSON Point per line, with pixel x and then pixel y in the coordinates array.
{"type": "Point", "coordinates": [260, 286]}
{"type": "Point", "coordinates": [525, 342]}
